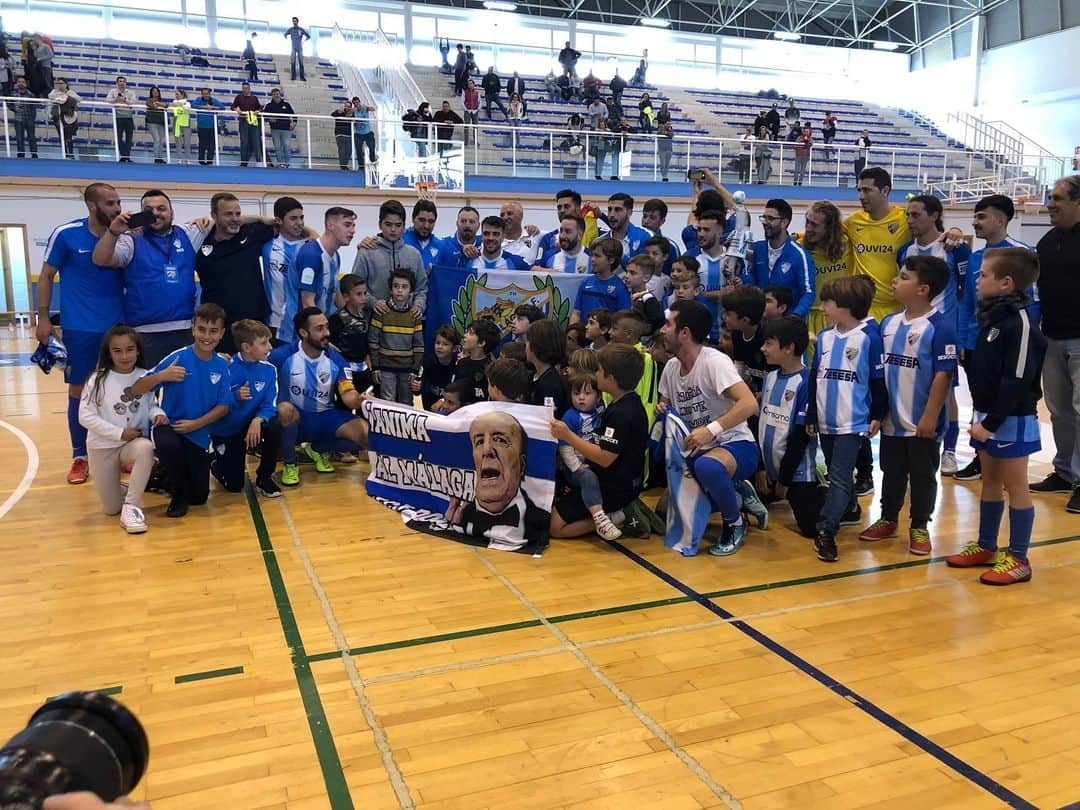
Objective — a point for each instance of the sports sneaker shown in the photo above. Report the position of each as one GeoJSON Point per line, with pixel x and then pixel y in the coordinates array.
{"type": "Point", "coordinates": [79, 472]}
{"type": "Point", "coordinates": [605, 528]}
{"type": "Point", "coordinates": [918, 541]}
{"type": "Point", "coordinates": [825, 546]}
{"type": "Point", "coordinates": [132, 519]}
{"type": "Point", "coordinates": [177, 508]}
{"type": "Point", "coordinates": [972, 556]}
{"type": "Point", "coordinates": [972, 472]}
{"type": "Point", "coordinates": [730, 541]}
{"type": "Point", "coordinates": [267, 488]}
{"type": "Point", "coordinates": [948, 463]}
{"type": "Point", "coordinates": [852, 517]}
{"type": "Point", "coordinates": [290, 475]}
{"type": "Point", "coordinates": [322, 461]}
{"type": "Point", "coordinates": [879, 530]}
{"type": "Point", "coordinates": [1008, 570]}
{"type": "Point", "coordinates": [1052, 483]}
{"type": "Point", "coordinates": [635, 521]}
{"type": "Point", "coordinates": [1074, 502]}
{"type": "Point", "coordinates": [752, 504]}
{"type": "Point", "coordinates": [864, 486]}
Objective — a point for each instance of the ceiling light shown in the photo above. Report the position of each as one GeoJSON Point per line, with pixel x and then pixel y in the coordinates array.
{"type": "Point", "coordinates": [886, 46]}
{"type": "Point", "coordinates": [655, 22]}
{"type": "Point", "coordinates": [787, 36]}
{"type": "Point", "coordinates": [499, 5]}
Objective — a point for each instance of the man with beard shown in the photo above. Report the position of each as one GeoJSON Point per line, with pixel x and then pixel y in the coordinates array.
{"type": "Point", "coordinates": [278, 255]}
{"type": "Point", "coordinates": [93, 301]}
{"type": "Point", "coordinates": [463, 246]}
{"type": "Point", "coordinates": [312, 379]}
{"type": "Point", "coordinates": [500, 510]}
{"type": "Point", "coordinates": [633, 238]}
{"type": "Point", "coordinates": [567, 201]}
{"type": "Point", "coordinates": [710, 228]}
{"type": "Point", "coordinates": [158, 261]}
{"type": "Point", "coordinates": [421, 235]}
{"type": "Point", "coordinates": [572, 257]}
{"type": "Point", "coordinates": [780, 260]}
{"type": "Point", "coordinates": [312, 279]}
{"type": "Point", "coordinates": [517, 239]}
{"type": "Point", "coordinates": [492, 256]}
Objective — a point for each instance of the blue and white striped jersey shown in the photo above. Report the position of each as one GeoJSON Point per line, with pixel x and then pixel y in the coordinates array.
{"type": "Point", "coordinates": [844, 365]}
{"type": "Point", "coordinates": [504, 261]}
{"type": "Point", "coordinates": [915, 350]}
{"type": "Point", "coordinates": [711, 274]}
{"type": "Point", "coordinates": [562, 262]}
{"type": "Point", "coordinates": [310, 384]}
{"type": "Point", "coordinates": [277, 257]}
{"type": "Point", "coordinates": [946, 301]}
{"type": "Point", "coordinates": [784, 399]}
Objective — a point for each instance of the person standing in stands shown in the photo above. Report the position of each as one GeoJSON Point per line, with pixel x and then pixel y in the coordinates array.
{"type": "Point", "coordinates": [515, 85]}
{"type": "Point", "coordinates": [296, 36]}
{"type": "Point", "coordinates": [180, 110]}
{"type": "Point", "coordinates": [282, 124]}
{"type": "Point", "coordinates": [492, 85]}
{"type": "Point", "coordinates": [247, 107]}
{"type": "Point", "coordinates": [251, 62]}
{"type": "Point", "coordinates": [470, 100]}
{"type": "Point", "coordinates": [43, 62]}
{"type": "Point", "coordinates": [123, 101]}
{"type": "Point", "coordinates": [444, 133]}
{"type": "Point", "coordinates": [772, 121]}
{"type": "Point", "coordinates": [343, 134]}
{"type": "Point", "coordinates": [363, 134]}
{"type": "Point", "coordinates": [155, 122]}
{"type": "Point", "coordinates": [568, 58]}
{"type": "Point", "coordinates": [206, 125]}
{"type": "Point", "coordinates": [25, 116]}
{"type": "Point", "coordinates": [461, 69]}
{"type": "Point", "coordinates": [863, 143]}
{"type": "Point", "coordinates": [65, 115]}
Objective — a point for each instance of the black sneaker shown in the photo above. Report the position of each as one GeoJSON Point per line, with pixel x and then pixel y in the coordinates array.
{"type": "Point", "coordinates": [825, 546]}
{"type": "Point", "coordinates": [177, 508]}
{"type": "Point", "coordinates": [852, 517]}
{"type": "Point", "coordinates": [636, 523]}
{"type": "Point", "coordinates": [1074, 502]}
{"type": "Point", "coordinates": [972, 472]}
{"type": "Point", "coordinates": [1052, 483]}
{"type": "Point", "coordinates": [864, 486]}
{"type": "Point", "coordinates": [267, 488]}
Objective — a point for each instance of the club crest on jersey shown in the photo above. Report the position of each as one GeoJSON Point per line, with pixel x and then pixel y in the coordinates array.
{"type": "Point", "coordinates": [913, 338]}
{"type": "Point", "coordinates": [206, 250]}
{"type": "Point", "coordinates": [785, 267]}
{"type": "Point", "coordinates": [893, 227]}
{"type": "Point", "coordinates": [789, 395]}
{"type": "Point", "coordinates": [992, 334]}
{"type": "Point", "coordinates": [324, 377]}
{"type": "Point", "coordinates": [851, 352]}
{"type": "Point", "coordinates": [215, 378]}
{"type": "Point", "coordinates": [178, 245]}
{"type": "Point", "coordinates": [260, 385]}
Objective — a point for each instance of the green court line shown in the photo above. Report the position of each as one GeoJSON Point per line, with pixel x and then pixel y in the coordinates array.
{"type": "Point", "coordinates": [337, 789]}
{"type": "Point", "coordinates": [205, 676]}
{"type": "Point", "coordinates": [633, 606]}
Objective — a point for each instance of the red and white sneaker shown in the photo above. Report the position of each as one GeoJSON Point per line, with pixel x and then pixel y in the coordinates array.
{"type": "Point", "coordinates": [973, 555]}
{"type": "Point", "coordinates": [1009, 570]}
{"type": "Point", "coordinates": [79, 472]}
{"type": "Point", "coordinates": [918, 541]}
{"type": "Point", "coordinates": [880, 529]}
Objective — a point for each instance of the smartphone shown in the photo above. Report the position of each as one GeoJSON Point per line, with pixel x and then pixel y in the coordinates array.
{"type": "Point", "coordinates": [143, 219]}
{"type": "Point", "coordinates": [695, 175]}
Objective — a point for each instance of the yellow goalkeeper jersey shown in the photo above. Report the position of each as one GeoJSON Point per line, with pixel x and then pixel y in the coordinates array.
{"type": "Point", "coordinates": [874, 245]}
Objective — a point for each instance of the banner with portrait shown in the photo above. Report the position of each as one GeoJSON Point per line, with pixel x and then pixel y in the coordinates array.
{"type": "Point", "coordinates": [459, 296]}
{"type": "Point", "coordinates": [483, 475]}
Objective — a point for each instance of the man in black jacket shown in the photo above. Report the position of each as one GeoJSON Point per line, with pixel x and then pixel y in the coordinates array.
{"type": "Point", "coordinates": [492, 84]}
{"type": "Point", "coordinates": [515, 84]}
{"type": "Point", "coordinates": [444, 133]}
{"type": "Point", "coordinates": [617, 85]}
{"type": "Point", "coordinates": [568, 58]}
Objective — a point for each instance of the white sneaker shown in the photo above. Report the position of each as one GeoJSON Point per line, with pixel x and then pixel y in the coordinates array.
{"type": "Point", "coordinates": [605, 528]}
{"type": "Point", "coordinates": [132, 519]}
{"type": "Point", "coordinates": [948, 463]}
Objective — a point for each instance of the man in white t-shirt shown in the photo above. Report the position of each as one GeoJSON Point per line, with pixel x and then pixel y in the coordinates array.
{"type": "Point", "coordinates": [703, 385]}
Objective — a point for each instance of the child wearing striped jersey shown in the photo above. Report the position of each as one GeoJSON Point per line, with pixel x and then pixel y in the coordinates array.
{"type": "Point", "coordinates": [847, 400]}
{"type": "Point", "coordinates": [788, 450]}
{"type": "Point", "coordinates": [920, 361]}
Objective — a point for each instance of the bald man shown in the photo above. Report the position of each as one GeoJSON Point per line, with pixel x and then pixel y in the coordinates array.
{"type": "Point", "coordinates": [521, 241]}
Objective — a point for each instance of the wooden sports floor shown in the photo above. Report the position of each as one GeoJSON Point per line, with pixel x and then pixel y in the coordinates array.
{"type": "Point", "coordinates": [310, 653]}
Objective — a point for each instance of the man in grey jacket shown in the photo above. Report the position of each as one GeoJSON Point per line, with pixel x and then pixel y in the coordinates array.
{"type": "Point", "coordinates": [374, 265]}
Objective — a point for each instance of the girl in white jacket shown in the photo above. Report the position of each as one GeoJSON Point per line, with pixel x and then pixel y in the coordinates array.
{"type": "Point", "coordinates": [118, 425]}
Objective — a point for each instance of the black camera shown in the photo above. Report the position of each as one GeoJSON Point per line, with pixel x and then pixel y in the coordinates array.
{"type": "Point", "coordinates": [695, 175]}
{"type": "Point", "coordinates": [76, 741]}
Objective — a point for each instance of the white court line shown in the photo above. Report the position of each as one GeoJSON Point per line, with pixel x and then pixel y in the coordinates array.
{"type": "Point", "coordinates": [33, 460]}
{"type": "Point", "coordinates": [397, 779]}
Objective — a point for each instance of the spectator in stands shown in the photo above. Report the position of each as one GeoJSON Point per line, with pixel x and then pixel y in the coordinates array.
{"type": "Point", "coordinates": [763, 157]}
{"type": "Point", "coordinates": [7, 69]}
{"type": "Point", "coordinates": [282, 124]}
{"type": "Point", "coordinates": [155, 122]}
{"type": "Point", "coordinates": [794, 132]}
{"type": "Point", "coordinates": [645, 113]}
{"type": "Point", "coordinates": [792, 112]}
{"type": "Point", "coordinates": [517, 111]}
{"type": "Point", "coordinates": [772, 121]}
{"type": "Point", "coordinates": [206, 125]}
{"type": "Point", "coordinates": [663, 116]}
{"type": "Point", "coordinates": [603, 144]}
{"type": "Point", "coordinates": [421, 130]}
{"type": "Point", "coordinates": [568, 58]}
{"type": "Point", "coordinates": [665, 141]}
{"type": "Point", "coordinates": [43, 62]}
{"type": "Point", "coordinates": [590, 87]}
{"type": "Point", "coordinates": [492, 85]}
{"type": "Point", "coordinates": [638, 79]}
{"type": "Point", "coordinates": [571, 142]}
{"type": "Point", "coordinates": [596, 110]}
{"type": "Point", "coordinates": [470, 61]}
{"type": "Point", "coordinates": [863, 143]}
{"type": "Point", "coordinates": [802, 152]}
{"type": "Point", "coordinates": [828, 131]}
{"type": "Point", "coordinates": [123, 101]}
{"type": "Point", "coordinates": [251, 65]}
{"type": "Point", "coordinates": [247, 107]}
{"type": "Point", "coordinates": [343, 134]}
{"type": "Point", "coordinates": [760, 121]}
{"type": "Point", "coordinates": [444, 133]}
{"type": "Point", "coordinates": [65, 114]}
{"type": "Point", "coordinates": [617, 85]}
{"type": "Point", "coordinates": [516, 85]}
{"type": "Point", "coordinates": [470, 101]}
{"type": "Point", "coordinates": [461, 69]}
{"type": "Point", "coordinates": [296, 36]}
{"type": "Point", "coordinates": [25, 115]}
{"type": "Point", "coordinates": [363, 134]}
{"type": "Point", "coordinates": [444, 52]}
{"type": "Point", "coordinates": [180, 110]}
{"type": "Point", "coordinates": [551, 86]}
{"type": "Point", "coordinates": [566, 87]}
{"type": "Point", "coordinates": [746, 153]}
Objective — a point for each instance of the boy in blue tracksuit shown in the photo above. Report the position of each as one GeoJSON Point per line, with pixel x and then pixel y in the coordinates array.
{"type": "Point", "coordinates": [1004, 372]}
{"type": "Point", "coordinates": [252, 421]}
{"type": "Point", "coordinates": [780, 260]}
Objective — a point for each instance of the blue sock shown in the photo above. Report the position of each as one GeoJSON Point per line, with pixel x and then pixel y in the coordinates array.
{"type": "Point", "coordinates": [990, 513]}
{"type": "Point", "coordinates": [77, 431]}
{"type": "Point", "coordinates": [1020, 522]}
{"type": "Point", "coordinates": [952, 434]}
{"type": "Point", "coordinates": [289, 435]}
{"type": "Point", "coordinates": [714, 479]}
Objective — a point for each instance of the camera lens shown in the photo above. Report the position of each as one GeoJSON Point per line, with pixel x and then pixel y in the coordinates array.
{"type": "Point", "coordinates": [77, 741]}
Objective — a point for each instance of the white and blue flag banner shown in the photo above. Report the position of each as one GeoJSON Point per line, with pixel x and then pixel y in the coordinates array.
{"type": "Point", "coordinates": [688, 508]}
{"type": "Point", "coordinates": [483, 475]}
{"type": "Point", "coordinates": [458, 296]}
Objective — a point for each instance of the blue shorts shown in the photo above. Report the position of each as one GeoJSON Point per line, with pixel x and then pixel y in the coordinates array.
{"type": "Point", "coordinates": [747, 459]}
{"type": "Point", "coordinates": [320, 427]}
{"type": "Point", "coordinates": [83, 349]}
{"type": "Point", "coordinates": [999, 449]}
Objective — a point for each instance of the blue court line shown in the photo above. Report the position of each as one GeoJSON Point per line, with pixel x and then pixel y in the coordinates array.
{"type": "Point", "coordinates": [988, 784]}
